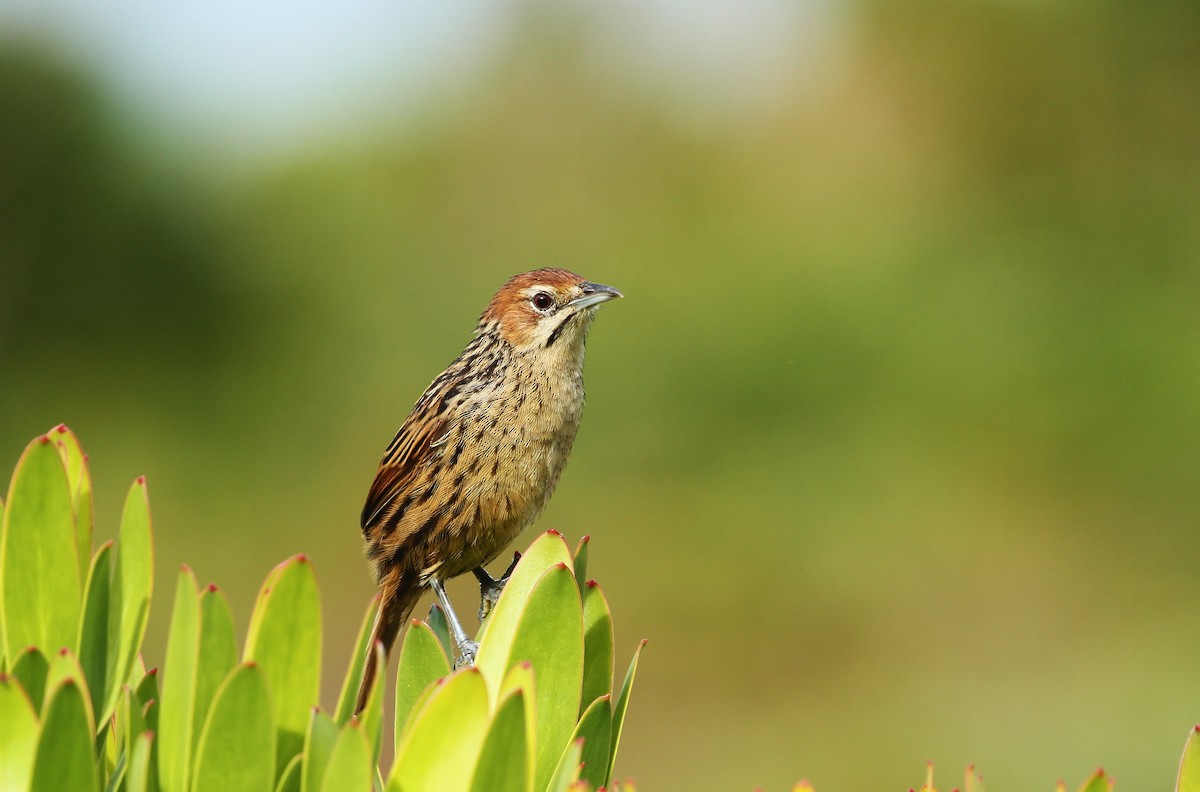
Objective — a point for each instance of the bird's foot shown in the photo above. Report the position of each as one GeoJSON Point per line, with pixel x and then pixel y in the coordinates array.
{"type": "Point", "coordinates": [490, 588]}
{"type": "Point", "coordinates": [466, 654]}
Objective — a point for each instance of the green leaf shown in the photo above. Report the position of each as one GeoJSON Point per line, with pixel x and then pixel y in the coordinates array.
{"type": "Point", "coordinates": [132, 584]}
{"type": "Point", "coordinates": [358, 656]}
{"type": "Point", "coordinates": [623, 706]}
{"type": "Point", "coordinates": [237, 748]}
{"type": "Point", "coordinates": [595, 729]}
{"type": "Point", "coordinates": [1097, 782]}
{"type": "Point", "coordinates": [18, 735]}
{"type": "Point", "coordinates": [318, 746]}
{"type": "Point", "coordinates": [581, 562]}
{"type": "Point", "coordinates": [1189, 764]}
{"type": "Point", "coordinates": [177, 708]}
{"type": "Point", "coordinates": [63, 666]}
{"type": "Point", "coordinates": [503, 764]}
{"type": "Point", "coordinates": [598, 653]}
{"type": "Point", "coordinates": [351, 766]}
{"type": "Point", "coordinates": [285, 641]}
{"type": "Point", "coordinates": [80, 482]}
{"type": "Point", "coordinates": [140, 775]}
{"type": "Point", "coordinates": [64, 750]}
{"type": "Point", "coordinates": [441, 628]}
{"type": "Point", "coordinates": [131, 723]}
{"type": "Point", "coordinates": [496, 636]}
{"type": "Point", "coordinates": [550, 635]}
{"type": "Point", "coordinates": [30, 670]}
{"type": "Point", "coordinates": [216, 656]}
{"type": "Point", "coordinates": [520, 679]}
{"type": "Point", "coordinates": [567, 771]}
{"type": "Point", "coordinates": [289, 781]}
{"type": "Point", "coordinates": [972, 781]}
{"type": "Point", "coordinates": [40, 581]}
{"type": "Point", "coordinates": [148, 698]}
{"type": "Point", "coordinates": [439, 749]}
{"type": "Point", "coordinates": [371, 716]}
{"type": "Point", "coordinates": [93, 629]}
{"type": "Point", "coordinates": [422, 662]}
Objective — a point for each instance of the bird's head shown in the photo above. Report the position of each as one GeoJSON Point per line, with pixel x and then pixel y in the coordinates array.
{"type": "Point", "coordinates": [546, 308]}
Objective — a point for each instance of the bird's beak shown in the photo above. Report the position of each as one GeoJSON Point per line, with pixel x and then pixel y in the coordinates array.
{"type": "Point", "coordinates": [594, 294]}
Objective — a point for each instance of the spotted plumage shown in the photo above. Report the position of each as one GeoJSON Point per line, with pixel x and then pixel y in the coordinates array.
{"type": "Point", "coordinates": [483, 448]}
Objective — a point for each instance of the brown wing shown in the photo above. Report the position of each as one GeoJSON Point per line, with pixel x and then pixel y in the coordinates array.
{"type": "Point", "coordinates": [409, 452]}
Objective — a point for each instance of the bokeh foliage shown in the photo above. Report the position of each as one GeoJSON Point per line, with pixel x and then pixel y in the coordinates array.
{"type": "Point", "coordinates": [903, 399]}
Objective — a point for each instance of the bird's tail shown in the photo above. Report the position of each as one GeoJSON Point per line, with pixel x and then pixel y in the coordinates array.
{"type": "Point", "coordinates": [400, 593]}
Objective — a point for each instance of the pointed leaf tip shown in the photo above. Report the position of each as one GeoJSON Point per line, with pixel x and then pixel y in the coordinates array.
{"type": "Point", "coordinates": [61, 428]}
{"type": "Point", "coordinates": [44, 439]}
{"type": "Point", "coordinates": [141, 481]}
{"type": "Point", "coordinates": [553, 532]}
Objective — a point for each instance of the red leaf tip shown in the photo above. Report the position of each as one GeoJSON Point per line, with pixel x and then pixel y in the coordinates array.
{"type": "Point", "coordinates": [592, 583]}
{"type": "Point", "coordinates": [152, 672]}
{"type": "Point", "coordinates": [586, 538]}
{"type": "Point", "coordinates": [554, 532]}
{"type": "Point", "coordinates": [61, 429]}
{"type": "Point", "coordinates": [250, 664]}
{"type": "Point", "coordinates": [141, 481]}
{"type": "Point", "coordinates": [301, 559]}
{"type": "Point", "coordinates": [212, 588]}
{"type": "Point", "coordinates": [64, 652]}
{"type": "Point", "coordinates": [44, 439]}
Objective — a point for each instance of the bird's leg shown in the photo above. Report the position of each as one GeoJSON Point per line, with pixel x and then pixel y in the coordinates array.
{"type": "Point", "coordinates": [490, 588]}
{"type": "Point", "coordinates": [466, 647]}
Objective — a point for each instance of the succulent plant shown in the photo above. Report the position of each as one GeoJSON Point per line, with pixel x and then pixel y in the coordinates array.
{"type": "Point", "coordinates": [80, 711]}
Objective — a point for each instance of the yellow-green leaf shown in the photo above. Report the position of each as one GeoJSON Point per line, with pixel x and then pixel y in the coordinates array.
{"type": "Point", "coordinates": [93, 628]}
{"type": "Point", "coordinates": [285, 641]}
{"type": "Point", "coordinates": [132, 584]}
{"type": "Point", "coordinates": [1189, 764]}
{"type": "Point", "coordinates": [80, 482]}
{"type": "Point", "coordinates": [176, 710]}
{"type": "Point", "coordinates": [595, 729]}
{"type": "Point", "coordinates": [351, 766]}
{"type": "Point", "coordinates": [30, 670]}
{"type": "Point", "coordinates": [289, 781]}
{"type": "Point", "coordinates": [550, 635]}
{"type": "Point", "coordinates": [18, 735]}
{"type": "Point", "coordinates": [623, 706]}
{"type": "Point", "coordinates": [496, 636]}
{"type": "Point", "coordinates": [503, 764]}
{"type": "Point", "coordinates": [348, 697]}
{"type": "Point", "coordinates": [598, 653]}
{"type": "Point", "coordinates": [237, 748]}
{"type": "Point", "coordinates": [216, 654]}
{"type": "Point", "coordinates": [140, 775]}
{"type": "Point", "coordinates": [318, 746]}
{"type": "Point", "coordinates": [422, 662]}
{"type": "Point", "coordinates": [581, 562]}
{"type": "Point", "coordinates": [440, 747]}
{"type": "Point", "coordinates": [40, 580]}
{"type": "Point", "coordinates": [64, 751]}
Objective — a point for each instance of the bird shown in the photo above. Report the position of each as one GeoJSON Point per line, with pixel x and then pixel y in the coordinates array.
{"type": "Point", "coordinates": [480, 453]}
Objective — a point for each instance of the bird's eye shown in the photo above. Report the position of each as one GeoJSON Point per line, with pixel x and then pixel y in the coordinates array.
{"type": "Point", "coordinates": [542, 301]}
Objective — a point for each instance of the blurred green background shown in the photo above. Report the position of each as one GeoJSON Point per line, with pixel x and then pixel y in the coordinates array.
{"type": "Point", "coordinates": [892, 450]}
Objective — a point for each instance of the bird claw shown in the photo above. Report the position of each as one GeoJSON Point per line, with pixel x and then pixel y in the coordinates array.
{"type": "Point", "coordinates": [466, 654]}
{"type": "Point", "coordinates": [490, 588]}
